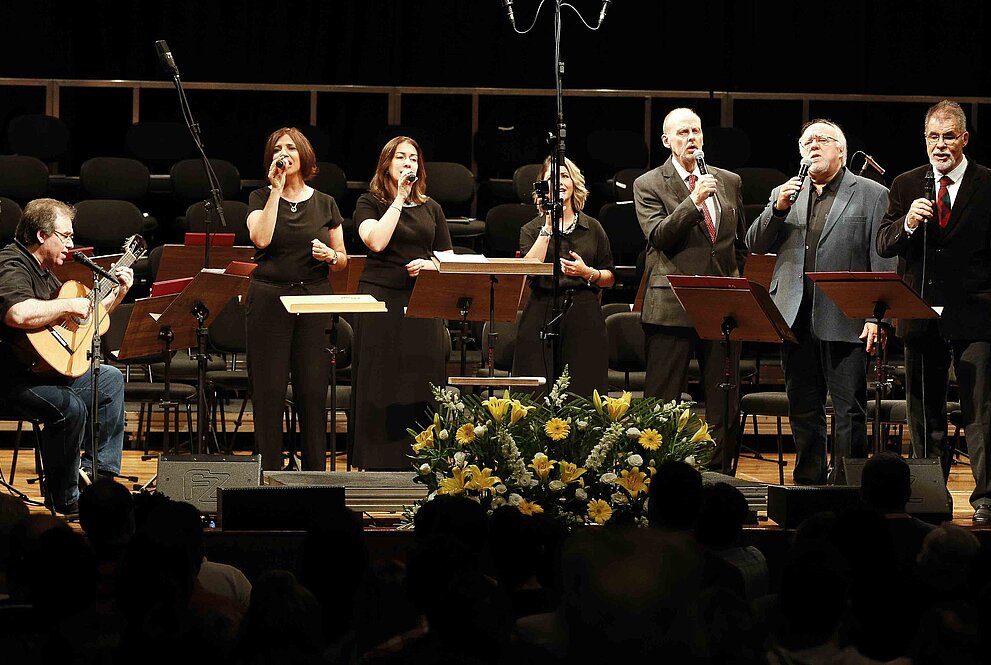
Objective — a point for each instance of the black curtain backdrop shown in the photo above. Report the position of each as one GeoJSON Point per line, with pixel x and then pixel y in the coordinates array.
{"type": "Point", "coordinates": [849, 46]}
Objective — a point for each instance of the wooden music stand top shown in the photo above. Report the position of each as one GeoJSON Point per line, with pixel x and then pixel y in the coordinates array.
{"type": "Point", "coordinates": [710, 301]}
{"type": "Point", "coordinates": [346, 281]}
{"type": "Point", "coordinates": [478, 263]}
{"type": "Point", "coordinates": [438, 295]}
{"type": "Point", "coordinates": [212, 290]}
{"type": "Point", "coordinates": [497, 381]}
{"type": "Point", "coordinates": [326, 304]}
{"type": "Point", "coordinates": [180, 261]}
{"type": "Point", "coordinates": [857, 294]}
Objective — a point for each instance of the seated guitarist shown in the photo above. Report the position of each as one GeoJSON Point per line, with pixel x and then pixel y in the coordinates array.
{"type": "Point", "coordinates": [43, 240]}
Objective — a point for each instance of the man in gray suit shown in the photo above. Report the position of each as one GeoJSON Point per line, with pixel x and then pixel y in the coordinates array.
{"type": "Point", "coordinates": [694, 225]}
{"type": "Point", "coordinates": [830, 226]}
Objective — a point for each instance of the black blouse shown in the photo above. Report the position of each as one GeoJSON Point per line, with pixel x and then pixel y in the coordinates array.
{"type": "Point", "coordinates": [289, 257]}
{"type": "Point", "coordinates": [588, 240]}
{"type": "Point", "coordinates": [420, 231]}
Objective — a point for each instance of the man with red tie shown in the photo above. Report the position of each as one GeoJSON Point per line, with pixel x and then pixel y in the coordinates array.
{"type": "Point", "coordinates": [944, 247]}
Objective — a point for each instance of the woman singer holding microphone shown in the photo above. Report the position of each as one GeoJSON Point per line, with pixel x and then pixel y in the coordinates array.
{"type": "Point", "coordinates": [396, 358]}
{"type": "Point", "coordinates": [297, 231]}
{"type": "Point", "coordinates": [586, 267]}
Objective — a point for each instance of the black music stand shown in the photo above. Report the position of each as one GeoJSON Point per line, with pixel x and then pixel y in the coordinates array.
{"type": "Point", "coordinates": [335, 305]}
{"type": "Point", "coordinates": [730, 309]}
{"type": "Point", "coordinates": [873, 296]}
{"type": "Point", "coordinates": [184, 324]}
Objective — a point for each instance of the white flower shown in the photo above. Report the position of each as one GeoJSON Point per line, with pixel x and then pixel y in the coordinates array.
{"type": "Point", "coordinates": [634, 460]}
{"type": "Point", "coordinates": [459, 458]}
{"type": "Point", "coordinates": [581, 494]}
{"type": "Point", "coordinates": [583, 425]}
{"type": "Point", "coordinates": [633, 433]}
{"type": "Point", "coordinates": [501, 489]}
{"type": "Point", "coordinates": [690, 460]}
{"type": "Point", "coordinates": [479, 431]}
{"type": "Point", "coordinates": [424, 469]}
{"type": "Point", "coordinates": [618, 498]}
{"type": "Point", "coordinates": [608, 477]}
{"type": "Point", "coordinates": [556, 485]}
{"type": "Point", "coordinates": [539, 458]}
{"type": "Point", "coordinates": [443, 435]}
{"type": "Point", "coordinates": [515, 499]}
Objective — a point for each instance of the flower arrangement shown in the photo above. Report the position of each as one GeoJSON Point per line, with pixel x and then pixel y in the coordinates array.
{"type": "Point", "coordinates": [579, 460]}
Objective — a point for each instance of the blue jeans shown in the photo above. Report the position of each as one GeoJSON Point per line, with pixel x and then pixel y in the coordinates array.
{"type": "Point", "coordinates": [64, 410]}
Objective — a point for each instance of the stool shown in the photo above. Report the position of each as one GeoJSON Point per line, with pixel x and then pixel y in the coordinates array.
{"type": "Point", "coordinates": [12, 415]}
{"type": "Point", "coordinates": [773, 404]}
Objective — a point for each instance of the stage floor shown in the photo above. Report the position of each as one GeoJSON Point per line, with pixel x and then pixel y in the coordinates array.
{"type": "Point", "coordinates": [960, 484]}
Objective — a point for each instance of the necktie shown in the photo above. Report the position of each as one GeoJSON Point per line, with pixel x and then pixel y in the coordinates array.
{"type": "Point", "coordinates": [943, 202]}
{"type": "Point", "coordinates": [710, 227]}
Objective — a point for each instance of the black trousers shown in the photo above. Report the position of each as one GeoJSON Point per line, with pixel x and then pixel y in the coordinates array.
{"type": "Point", "coordinates": [669, 350]}
{"type": "Point", "coordinates": [812, 368]}
{"type": "Point", "coordinates": [281, 345]}
{"type": "Point", "coordinates": [927, 366]}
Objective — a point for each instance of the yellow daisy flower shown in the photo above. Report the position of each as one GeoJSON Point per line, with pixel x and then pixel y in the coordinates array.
{"type": "Point", "coordinates": [557, 429]}
{"type": "Point", "coordinates": [465, 434]}
{"type": "Point", "coordinates": [455, 484]}
{"type": "Point", "coordinates": [570, 472]}
{"type": "Point", "coordinates": [633, 481]}
{"type": "Point", "coordinates": [482, 480]}
{"type": "Point", "coordinates": [528, 508]}
{"type": "Point", "coordinates": [600, 511]}
{"type": "Point", "coordinates": [650, 439]}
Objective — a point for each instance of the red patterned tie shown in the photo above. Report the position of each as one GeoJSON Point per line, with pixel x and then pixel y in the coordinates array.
{"type": "Point", "coordinates": [943, 202]}
{"type": "Point", "coordinates": [692, 179]}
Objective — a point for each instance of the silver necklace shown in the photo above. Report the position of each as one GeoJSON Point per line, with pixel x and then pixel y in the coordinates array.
{"type": "Point", "coordinates": [292, 205]}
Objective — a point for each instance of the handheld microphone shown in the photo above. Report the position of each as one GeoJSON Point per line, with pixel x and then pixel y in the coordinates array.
{"type": "Point", "coordinates": [929, 188]}
{"type": "Point", "coordinates": [508, 4]}
{"type": "Point", "coordinates": [411, 177]}
{"type": "Point", "coordinates": [700, 162]}
{"type": "Point", "coordinates": [281, 164]}
{"type": "Point", "coordinates": [874, 165]}
{"type": "Point", "coordinates": [605, 9]}
{"type": "Point", "coordinates": [803, 172]}
{"type": "Point", "coordinates": [79, 257]}
{"type": "Point", "coordinates": [165, 56]}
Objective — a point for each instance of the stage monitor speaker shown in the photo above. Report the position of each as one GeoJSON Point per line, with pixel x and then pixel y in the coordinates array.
{"type": "Point", "coordinates": [276, 507]}
{"type": "Point", "coordinates": [789, 505]}
{"type": "Point", "coordinates": [195, 479]}
{"type": "Point", "coordinates": [930, 501]}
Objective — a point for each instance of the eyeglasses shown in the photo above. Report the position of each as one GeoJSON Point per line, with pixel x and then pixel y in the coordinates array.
{"type": "Point", "coordinates": [934, 138]}
{"type": "Point", "coordinates": [815, 138]}
{"type": "Point", "coordinates": [64, 237]}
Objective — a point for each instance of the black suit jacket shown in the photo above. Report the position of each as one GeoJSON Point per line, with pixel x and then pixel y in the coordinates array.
{"type": "Point", "coordinates": [678, 242]}
{"type": "Point", "coordinates": [956, 259]}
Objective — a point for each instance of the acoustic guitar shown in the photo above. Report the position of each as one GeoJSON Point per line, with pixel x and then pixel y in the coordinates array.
{"type": "Point", "coordinates": [64, 347]}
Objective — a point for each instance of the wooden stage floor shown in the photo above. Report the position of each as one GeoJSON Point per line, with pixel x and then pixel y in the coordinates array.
{"type": "Point", "coordinates": [961, 481]}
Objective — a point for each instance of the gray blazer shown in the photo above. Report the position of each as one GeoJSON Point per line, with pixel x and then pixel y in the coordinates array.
{"type": "Point", "coordinates": [678, 242]}
{"type": "Point", "coordinates": [846, 244]}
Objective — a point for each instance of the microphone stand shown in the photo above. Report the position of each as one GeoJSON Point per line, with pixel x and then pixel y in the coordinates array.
{"type": "Point", "coordinates": [215, 192]}
{"type": "Point", "coordinates": [557, 139]}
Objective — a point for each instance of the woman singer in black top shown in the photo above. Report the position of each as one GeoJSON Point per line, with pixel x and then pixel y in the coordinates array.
{"type": "Point", "coordinates": [586, 267]}
{"type": "Point", "coordinates": [297, 231]}
{"type": "Point", "coordinates": [396, 358]}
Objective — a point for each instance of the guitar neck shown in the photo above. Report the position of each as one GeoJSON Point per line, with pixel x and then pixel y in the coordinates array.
{"type": "Point", "coordinates": [105, 285]}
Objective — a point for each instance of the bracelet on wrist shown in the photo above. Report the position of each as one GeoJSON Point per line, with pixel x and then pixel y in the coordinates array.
{"type": "Point", "coordinates": [395, 207]}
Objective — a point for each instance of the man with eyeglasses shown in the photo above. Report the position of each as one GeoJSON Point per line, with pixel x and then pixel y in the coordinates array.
{"type": "Point", "coordinates": [694, 225]}
{"type": "Point", "coordinates": [829, 225]}
{"type": "Point", "coordinates": [944, 247]}
{"type": "Point", "coordinates": [43, 240]}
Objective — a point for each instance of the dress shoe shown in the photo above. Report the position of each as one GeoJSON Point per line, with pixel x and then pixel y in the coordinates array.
{"type": "Point", "coordinates": [982, 515]}
{"type": "Point", "coordinates": [68, 511]}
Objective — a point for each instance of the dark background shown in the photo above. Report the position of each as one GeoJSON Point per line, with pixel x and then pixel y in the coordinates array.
{"type": "Point", "coordinates": [887, 47]}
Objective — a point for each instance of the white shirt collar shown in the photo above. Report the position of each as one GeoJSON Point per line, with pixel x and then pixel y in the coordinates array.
{"type": "Point", "coordinates": [956, 175]}
{"type": "Point", "coordinates": [682, 173]}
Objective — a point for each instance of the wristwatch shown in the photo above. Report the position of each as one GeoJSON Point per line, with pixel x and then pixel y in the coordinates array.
{"type": "Point", "coordinates": [544, 232]}
{"type": "Point", "coordinates": [333, 261]}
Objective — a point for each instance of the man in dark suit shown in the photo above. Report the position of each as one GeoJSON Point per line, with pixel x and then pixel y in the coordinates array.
{"type": "Point", "coordinates": [944, 249]}
{"type": "Point", "coordinates": [694, 225]}
{"type": "Point", "coordinates": [830, 226]}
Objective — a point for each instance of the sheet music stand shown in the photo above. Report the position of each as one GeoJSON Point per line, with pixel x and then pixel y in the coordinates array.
{"type": "Point", "coordinates": [465, 297]}
{"type": "Point", "coordinates": [180, 261]}
{"type": "Point", "coordinates": [335, 305]}
{"type": "Point", "coordinates": [184, 323]}
{"type": "Point", "coordinates": [492, 269]}
{"type": "Point", "coordinates": [872, 296]}
{"type": "Point", "coordinates": [730, 309]}
{"type": "Point", "coordinates": [346, 281]}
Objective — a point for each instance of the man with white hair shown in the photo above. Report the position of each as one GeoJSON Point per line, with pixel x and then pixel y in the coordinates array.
{"type": "Point", "coordinates": [829, 226]}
